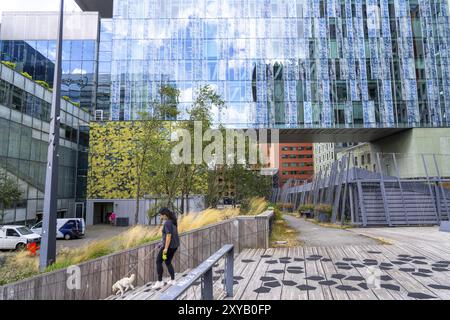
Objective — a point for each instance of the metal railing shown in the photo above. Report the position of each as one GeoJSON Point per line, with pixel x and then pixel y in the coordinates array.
{"type": "Point", "coordinates": [205, 271]}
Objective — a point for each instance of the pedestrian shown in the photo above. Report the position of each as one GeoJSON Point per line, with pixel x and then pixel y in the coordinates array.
{"type": "Point", "coordinates": [169, 245]}
{"type": "Point", "coordinates": [112, 218]}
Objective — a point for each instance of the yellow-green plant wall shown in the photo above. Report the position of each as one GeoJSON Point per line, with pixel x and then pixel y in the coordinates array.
{"type": "Point", "coordinates": [112, 165]}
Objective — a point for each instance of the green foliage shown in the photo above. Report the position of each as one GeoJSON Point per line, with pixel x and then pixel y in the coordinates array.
{"type": "Point", "coordinates": [306, 208]}
{"type": "Point", "coordinates": [9, 64]}
{"type": "Point", "coordinates": [27, 75]}
{"type": "Point", "coordinates": [9, 192]}
{"type": "Point", "coordinates": [58, 265]}
{"type": "Point", "coordinates": [112, 165]}
{"type": "Point", "coordinates": [277, 213]}
{"type": "Point", "coordinates": [248, 183]}
{"type": "Point", "coordinates": [66, 98]}
{"type": "Point", "coordinates": [323, 208]}
{"type": "Point", "coordinates": [44, 84]}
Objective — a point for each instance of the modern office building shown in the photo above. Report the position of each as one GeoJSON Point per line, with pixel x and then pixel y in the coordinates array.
{"type": "Point", "coordinates": [288, 64]}
{"type": "Point", "coordinates": [24, 135]}
{"type": "Point", "coordinates": [291, 64]}
{"type": "Point", "coordinates": [28, 39]}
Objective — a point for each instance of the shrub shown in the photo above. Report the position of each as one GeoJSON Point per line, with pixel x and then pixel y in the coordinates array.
{"type": "Point", "coordinates": [66, 98]}
{"type": "Point", "coordinates": [323, 208]}
{"type": "Point", "coordinates": [44, 84]}
{"type": "Point", "coordinates": [278, 215]}
{"type": "Point", "coordinates": [9, 64]}
{"type": "Point", "coordinates": [306, 208]}
{"type": "Point", "coordinates": [27, 75]}
{"type": "Point", "coordinates": [255, 207]}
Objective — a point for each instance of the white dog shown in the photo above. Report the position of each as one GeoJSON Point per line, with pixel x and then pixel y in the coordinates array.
{"type": "Point", "coordinates": [123, 285]}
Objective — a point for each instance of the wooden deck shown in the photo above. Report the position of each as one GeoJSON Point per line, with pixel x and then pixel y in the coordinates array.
{"type": "Point", "coordinates": [371, 272]}
{"type": "Point", "coordinates": [344, 273]}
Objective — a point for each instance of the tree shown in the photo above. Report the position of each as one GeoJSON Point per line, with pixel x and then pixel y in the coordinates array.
{"type": "Point", "coordinates": [194, 176]}
{"type": "Point", "coordinates": [248, 184]}
{"type": "Point", "coordinates": [9, 192]}
{"type": "Point", "coordinates": [152, 153]}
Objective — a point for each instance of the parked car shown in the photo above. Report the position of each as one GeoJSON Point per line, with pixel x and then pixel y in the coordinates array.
{"type": "Point", "coordinates": [71, 228]}
{"type": "Point", "coordinates": [17, 237]}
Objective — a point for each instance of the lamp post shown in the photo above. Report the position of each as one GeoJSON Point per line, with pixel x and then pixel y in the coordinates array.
{"type": "Point", "coordinates": [48, 245]}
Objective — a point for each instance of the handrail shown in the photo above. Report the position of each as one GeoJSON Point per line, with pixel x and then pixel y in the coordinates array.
{"type": "Point", "coordinates": [204, 271]}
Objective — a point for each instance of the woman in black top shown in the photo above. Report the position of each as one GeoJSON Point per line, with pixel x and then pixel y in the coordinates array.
{"type": "Point", "coordinates": [169, 245]}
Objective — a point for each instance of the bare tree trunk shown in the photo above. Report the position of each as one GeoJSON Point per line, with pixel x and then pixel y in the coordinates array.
{"type": "Point", "coordinates": [187, 203]}
{"type": "Point", "coordinates": [182, 203]}
{"type": "Point", "coordinates": [138, 193]}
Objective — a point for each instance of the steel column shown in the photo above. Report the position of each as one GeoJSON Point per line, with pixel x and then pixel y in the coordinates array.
{"type": "Point", "coordinates": [436, 206]}
{"type": "Point", "coordinates": [229, 272]}
{"type": "Point", "coordinates": [207, 285]}
{"type": "Point", "coordinates": [401, 188]}
{"type": "Point", "coordinates": [440, 185]}
{"type": "Point", "coordinates": [383, 192]}
{"type": "Point", "coordinates": [344, 199]}
{"type": "Point", "coordinates": [48, 246]}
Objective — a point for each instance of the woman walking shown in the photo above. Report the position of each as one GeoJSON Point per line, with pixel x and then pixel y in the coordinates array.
{"type": "Point", "coordinates": [169, 245]}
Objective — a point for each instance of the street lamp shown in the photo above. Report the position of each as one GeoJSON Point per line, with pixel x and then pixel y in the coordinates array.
{"type": "Point", "coordinates": [48, 245]}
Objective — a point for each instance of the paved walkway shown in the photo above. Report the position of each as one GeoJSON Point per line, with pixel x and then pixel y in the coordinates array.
{"type": "Point", "coordinates": [312, 235]}
{"type": "Point", "coordinates": [410, 235]}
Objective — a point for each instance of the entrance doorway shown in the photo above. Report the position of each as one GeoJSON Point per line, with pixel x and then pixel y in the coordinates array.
{"type": "Point", "coordinates": [79, 210]}
{"type": "Point", "coordinates": [101, 210]}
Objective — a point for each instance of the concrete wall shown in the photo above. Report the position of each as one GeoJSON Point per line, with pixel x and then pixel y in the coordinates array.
{"type": "Point", "coordinates": [126, 208]}
{"type": "Point", "coordinates": [410, 145]}
{"type": "Point", "coordinates": [418, 152]}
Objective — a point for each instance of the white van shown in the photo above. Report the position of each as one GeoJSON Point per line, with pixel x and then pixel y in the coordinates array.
{"type": "Point", "coordinates": [17, 237]}
{"type": "Point", "coordinates": [70, 228]}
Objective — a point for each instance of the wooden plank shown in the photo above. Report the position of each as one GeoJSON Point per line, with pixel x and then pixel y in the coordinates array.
{"type": "Point", "coordinates": [246, 270]}
{"type": "Point", "coordinates": [406, 283]}
{"type": "Point", "coordinates": [311, 271]}
{"type": "Point", "coordinates": [437, 278]}
{"type": "Point", "coordinates": [275, 292]}
{"type": "Point", "coordinates": [254, 281]}
{"type": "Point", "coordinates": [360, 253]}
{"type": "Point", "coordinates": [291, 292]}
{"type": "Point", "coordinates": [349, 252]}
{"type": "Point", "coordinates": [330, 269]}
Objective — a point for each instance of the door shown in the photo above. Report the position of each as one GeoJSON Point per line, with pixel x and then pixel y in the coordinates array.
{"type": "Point", "coordinates": [79, 210]}
{"type": "Point", "coordinates": [37, 228]}
{"type": "Point", "coordinates": [101, 212]}
{"type": "Point", "coordinates": [12, 238]}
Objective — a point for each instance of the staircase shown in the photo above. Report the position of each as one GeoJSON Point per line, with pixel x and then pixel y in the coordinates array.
{"type": "Point", "coordinates": [413, 204]}
{"type": "Point", "coordinates": [146, 292]}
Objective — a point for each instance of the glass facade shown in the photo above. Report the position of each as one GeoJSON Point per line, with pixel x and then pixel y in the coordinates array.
{"type": "Point", "coordinates": [285, 63]}
{"type": "Point", "coordinates": [37, 58]}
{"type": "Point", "coordinates": [24, 135]}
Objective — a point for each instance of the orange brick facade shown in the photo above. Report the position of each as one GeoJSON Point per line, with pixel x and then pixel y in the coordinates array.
{"type": "Point", "coordinates": [296, 161]}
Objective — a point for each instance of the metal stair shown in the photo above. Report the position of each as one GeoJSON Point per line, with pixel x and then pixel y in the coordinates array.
{"type": "Point", "coordinates": [412, 204]}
